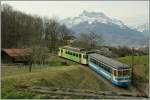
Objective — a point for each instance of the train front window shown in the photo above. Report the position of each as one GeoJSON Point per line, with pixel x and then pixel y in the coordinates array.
{"type": "Point", "coordinates": [115, 73]}
{"type": "Point", "coordinates": [123, 72]}
{"type": "Point", "coordinates": [120, 73]}
{"type": "Point", "coordinates": [84, 56]}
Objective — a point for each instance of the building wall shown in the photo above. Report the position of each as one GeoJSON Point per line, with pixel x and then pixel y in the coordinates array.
{"type": "Point", "coordinates": [5, 59]}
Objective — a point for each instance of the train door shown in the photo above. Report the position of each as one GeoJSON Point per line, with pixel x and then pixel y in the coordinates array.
{"type": "Point", "coordinates": [61, 52]}
{"type": "Point", "coordinates": [80, 59]}
{"type": "Point", "coordinates": [114, 74]}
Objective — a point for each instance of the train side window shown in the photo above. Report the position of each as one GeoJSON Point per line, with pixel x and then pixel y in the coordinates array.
{"type": "Point", "coordinates": [100, 63]}
{"type": "Point", "coordinates": [94, 61]}
{"type": "Point", "coordinates": [76, 55]}
{"type": "Point", "coordinates": [102, 67]}
{"type": "Point", "coordinates": [109, 69]}
{"type": "Point", "coordinates": [91, 60]}
{"type": "Point", "coordinates": [80, 55]}
{"type": "Point", "coordinates": [73, 54]}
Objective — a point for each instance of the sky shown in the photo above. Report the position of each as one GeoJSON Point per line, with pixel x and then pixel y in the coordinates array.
{"type": "Point", "coordinates": [132, 13]}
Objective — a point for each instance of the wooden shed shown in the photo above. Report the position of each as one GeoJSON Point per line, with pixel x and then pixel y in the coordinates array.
{"type": "Point", "coordinates": [14, 56]}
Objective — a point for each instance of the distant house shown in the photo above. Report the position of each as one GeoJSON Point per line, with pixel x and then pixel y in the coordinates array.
{"type": "Point", "coordinates": [104, 51]}
{"type": "Point", "coordinates": [68, 39]}
{"type": "Point", "coordinates": [14, 56]}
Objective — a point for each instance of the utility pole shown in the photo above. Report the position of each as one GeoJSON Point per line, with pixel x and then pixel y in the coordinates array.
{"type": "Point", "coordinates": [132, 65]}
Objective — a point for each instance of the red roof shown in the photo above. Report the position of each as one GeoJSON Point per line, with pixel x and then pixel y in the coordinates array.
{"type": "Point", "coordinates": [16, 52]}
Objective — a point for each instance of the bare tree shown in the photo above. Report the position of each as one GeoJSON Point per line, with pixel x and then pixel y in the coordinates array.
{"type": "Point", "coordinates": [63, 31]}
{"type": "Point", "coordinates": [38, 55]}
{"type": "Point", "coordinates": [89, 40]}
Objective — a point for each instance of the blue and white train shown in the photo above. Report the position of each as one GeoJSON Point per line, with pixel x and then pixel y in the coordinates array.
{"type": "Point", "coordinates": [118, 73]}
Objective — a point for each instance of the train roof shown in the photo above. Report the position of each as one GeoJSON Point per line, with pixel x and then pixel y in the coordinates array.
{"type": "Point", "coordinates": [115, 64]}
{"type": "Point", "coordinates": [81, 50]}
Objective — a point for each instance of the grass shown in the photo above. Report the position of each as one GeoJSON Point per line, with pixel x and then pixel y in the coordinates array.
{"type": "Point", "coordinates": [72, 76]}
{"type": "Point", "coordinates": [57, 75]}
{"type": "Point", "coordinates": [140, 66]}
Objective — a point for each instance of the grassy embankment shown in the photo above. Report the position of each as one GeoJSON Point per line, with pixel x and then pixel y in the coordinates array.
{"type": "Point", "coordinates": [55, 75]}
{"type": "Point", "coordinates": [141, 68]}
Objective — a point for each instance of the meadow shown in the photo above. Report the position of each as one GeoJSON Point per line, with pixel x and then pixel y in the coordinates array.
{"type": "Point", "coordinates": [55, 74]}
{"type": "Point", "coordinates": [140, 68]}
{"type": "Point", "coordinates": [71, 76]}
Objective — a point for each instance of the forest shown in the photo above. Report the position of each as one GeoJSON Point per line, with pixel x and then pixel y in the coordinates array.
{"type": "Point", "coordinates": [20, 30]}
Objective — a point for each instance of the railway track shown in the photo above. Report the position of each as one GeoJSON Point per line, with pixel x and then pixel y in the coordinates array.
{"type": "Point", "coordinates": [80, 93]}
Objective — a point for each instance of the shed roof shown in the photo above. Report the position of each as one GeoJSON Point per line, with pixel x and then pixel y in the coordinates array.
{"type": "Point", "coordinates": [109, 61]}
{"type": "Point", "coordinates": [16, 52]}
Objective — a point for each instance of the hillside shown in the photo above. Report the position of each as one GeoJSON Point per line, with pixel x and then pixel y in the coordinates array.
{"type": "Point", "coordinates": [72, 76]}
{"type": "Point", "coordinates": [140, 66]}
{"type": "Point", "coordinates": [15, 80]}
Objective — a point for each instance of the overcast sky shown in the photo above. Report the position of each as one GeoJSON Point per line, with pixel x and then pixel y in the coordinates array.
{"type": "Point", "coordinates": [130, 12]}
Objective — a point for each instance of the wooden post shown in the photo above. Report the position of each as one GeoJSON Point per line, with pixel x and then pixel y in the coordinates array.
{"type": "Point", "coordinates": [30, 63]}
{"type": "Point", "coordinates": [132, 65]}
{"type": "Point", "coordinates": [30, 66]}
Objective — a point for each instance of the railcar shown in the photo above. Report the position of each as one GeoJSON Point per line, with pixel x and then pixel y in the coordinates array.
{"type": "Point", "coordinates": [119, 74]}
{"type": "Point", "coordinates": [76, 54]}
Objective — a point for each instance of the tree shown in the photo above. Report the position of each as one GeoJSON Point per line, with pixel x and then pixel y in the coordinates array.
{"type": "Point", "coordinates": [89, 40]}
{"type": "Point", "coordinates": [63, 31]}
{"type": "Point", "coordinates": [20, 30]}
{"type": "Point", "coordinates": [38, 55]}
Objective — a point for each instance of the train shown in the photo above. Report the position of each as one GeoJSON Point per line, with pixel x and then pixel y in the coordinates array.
{"type": "Point", "coordinates": [117, 73]}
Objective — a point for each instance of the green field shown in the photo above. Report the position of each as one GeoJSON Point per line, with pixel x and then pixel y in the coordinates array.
{"type": "Point", "coordinates": [72, 76]}
{"type": "Point", "coordinates": [141, 67]}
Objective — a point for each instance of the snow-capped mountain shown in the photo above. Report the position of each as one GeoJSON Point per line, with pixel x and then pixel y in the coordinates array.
{"type": "Point", "coordinates": [114, 31]}
{"type": "Point", "coordinates": [143, 27]}
{"type": "Point", "coordinates": [92, 17]}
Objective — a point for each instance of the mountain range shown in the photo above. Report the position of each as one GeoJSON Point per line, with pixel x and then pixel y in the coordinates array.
{"type": "Point", "coordinates": [144, 28]}
{"type": "Point", "coordinates": [113, 31]}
